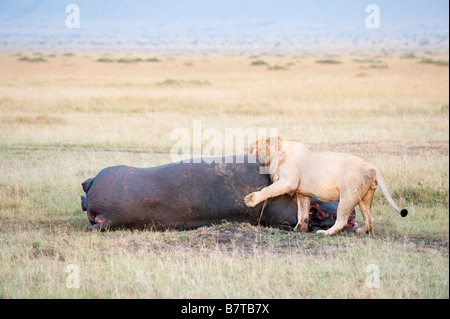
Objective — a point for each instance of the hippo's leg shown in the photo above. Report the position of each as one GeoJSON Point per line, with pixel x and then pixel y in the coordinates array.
{"type": "Point", "coordinates": [94, 227]}
{"type": "Point", "coordinates": [91, 216]}
{"type": "Point", "coordinates": [99, 223]}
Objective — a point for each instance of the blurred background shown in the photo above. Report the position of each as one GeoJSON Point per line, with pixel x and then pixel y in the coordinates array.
{"type": "Point", "coordinates": [231, 25]}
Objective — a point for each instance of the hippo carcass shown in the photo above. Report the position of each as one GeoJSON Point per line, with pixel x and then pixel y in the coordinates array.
{"type": "Point", "coordinates": [183, 195]}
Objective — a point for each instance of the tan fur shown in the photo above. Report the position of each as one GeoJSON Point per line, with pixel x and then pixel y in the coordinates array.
{"type": "Point", "coordinates": [267, 149]}
{"type": "Point", "coordinates": [296, 169]}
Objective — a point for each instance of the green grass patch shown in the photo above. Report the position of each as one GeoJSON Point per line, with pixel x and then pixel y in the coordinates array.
{"type": "Point", "coordinates": [27, 59]}
{"type": "Point", "coordinates": [422, 195]}
{"type": "Point", "coordinates": [408, 56]}
{"type": "Point", "coordinates": [259, 62]}
{"type": "Point", "coordinates": [376, 66]}
{"type": "Point", "coordinates": [107, 60]}
{"type": "Point", "coordinates": [435, 62]}
{"type": "Point", "coordinates": [128, 61]}
{"type": "Point", "coordinates": [277, 68]}
{"type": "Point", "coordinates": [328, 61]}
{"type": "Point", "coordinates": [152, 60]}
{"type": "Point", "coordinates": [366, 61]}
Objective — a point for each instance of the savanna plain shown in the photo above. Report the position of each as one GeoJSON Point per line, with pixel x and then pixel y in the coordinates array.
{"type": "Point", "coordinates": [66, 115]}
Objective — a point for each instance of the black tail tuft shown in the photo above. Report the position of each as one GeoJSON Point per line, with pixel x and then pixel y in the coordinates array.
{"type": "Point", "coordinates": [404, 212]}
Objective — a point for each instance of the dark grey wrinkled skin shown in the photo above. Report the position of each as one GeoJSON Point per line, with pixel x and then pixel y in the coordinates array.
{"type": "Point", "coordinates": [182, 196]}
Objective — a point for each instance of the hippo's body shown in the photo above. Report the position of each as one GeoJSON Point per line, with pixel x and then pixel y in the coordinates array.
{"type": "Point", "coordinates": [182, 196]}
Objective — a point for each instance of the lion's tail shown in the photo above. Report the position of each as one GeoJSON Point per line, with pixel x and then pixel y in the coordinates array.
{"type": "Point", "coordinates": [380, 180]}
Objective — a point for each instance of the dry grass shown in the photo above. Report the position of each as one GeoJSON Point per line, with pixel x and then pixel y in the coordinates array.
{"type": "Point", "coordinates": [63, 120]}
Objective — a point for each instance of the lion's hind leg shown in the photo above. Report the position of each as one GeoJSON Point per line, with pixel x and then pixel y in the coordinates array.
{"type": "Point", "coordinates": [365, 205]}
{"type": "Point", "coordinates": [347, 202]}
{"type": "Point", "coordinates": [358, 194]}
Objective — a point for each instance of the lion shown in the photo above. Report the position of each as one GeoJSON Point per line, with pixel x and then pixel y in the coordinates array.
{"type": "Point", "coordinates": [294, 168]}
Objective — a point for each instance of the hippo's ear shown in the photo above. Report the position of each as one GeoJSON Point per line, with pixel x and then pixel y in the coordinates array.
{"type": "Point", "coordinates": [87, 184]}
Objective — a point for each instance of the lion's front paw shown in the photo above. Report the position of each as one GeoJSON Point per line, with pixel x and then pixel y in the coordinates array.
{"type": "Point", "coordinates": [322, 232]}
{"type": "Point", "coordinates": [301, 227]}
{"type": "Point", "coordinates": [250, 200]}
